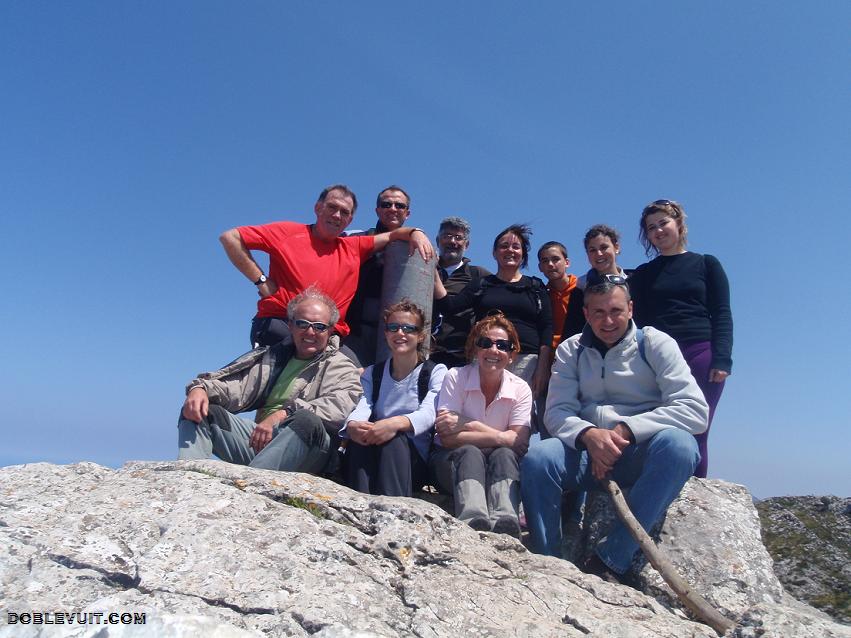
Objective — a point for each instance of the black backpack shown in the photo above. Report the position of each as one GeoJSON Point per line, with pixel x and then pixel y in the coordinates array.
{"type": "Point", "coordinates": [536, 289]}
{"type": "Point", "coordinates": [422, 382]}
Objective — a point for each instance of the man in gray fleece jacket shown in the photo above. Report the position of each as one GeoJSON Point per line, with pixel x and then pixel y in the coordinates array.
{"type": "Point", "coordinates": [622, 404]}
{"type": "Point", "coordinates": [302, 389]}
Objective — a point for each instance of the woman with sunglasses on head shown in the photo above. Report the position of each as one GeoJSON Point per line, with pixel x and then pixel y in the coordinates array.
{"type": "Point", "coordinates": [390, 429]}
{"type": "Point", "coordinates": [483, 425]}
{"type": "Point", "coordinates": [522, 299]}
{"type": "Point", "coordinates": [686, 295]}
{"type": "Point", "coordinates": [602, 246]}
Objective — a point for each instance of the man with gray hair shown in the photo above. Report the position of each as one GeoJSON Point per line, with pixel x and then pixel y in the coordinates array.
{"type": "Point", "coordinates": [302, 389]}
{"type": "Point", "coordinates": [455, 271]}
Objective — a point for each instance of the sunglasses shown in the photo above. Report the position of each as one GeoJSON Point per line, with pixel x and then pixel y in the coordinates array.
{"type": "Point", "coordinates": [504, 345]}
{"type": "Point", "coordinates": [618, 280]}
{"type": "Point", "coordinates": [396, 205]}
{"type": "Point", "coordinates": [404, 327]}
{"type": "Point", "coordinates": [662, 203]}
{"type": "Point", "coordinates": [317, 326]}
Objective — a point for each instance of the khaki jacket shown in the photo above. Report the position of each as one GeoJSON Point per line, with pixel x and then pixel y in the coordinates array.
{"type": "Point", "coordinates": [329, 386]}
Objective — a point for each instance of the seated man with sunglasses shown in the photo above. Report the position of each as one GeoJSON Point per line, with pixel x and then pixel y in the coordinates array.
{"type": "Point", "coordinates": [623, 405]}
{"type": "Point", "coordinates": [393, 207]}
{"type": "Point", "coordinates": [316, 254]}
{"type": "Point", "coordinates": [302, 389]}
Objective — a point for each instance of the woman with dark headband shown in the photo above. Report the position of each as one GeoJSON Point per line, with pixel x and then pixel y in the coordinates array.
{"type": "Point", "coordinates": [390, 429]}
{"type": "Point", "coordinates": [686, 295]}
{"type": "Point", "coordinates": [483, 424]}
{"type": "Point", "coordinates": [522, 299]}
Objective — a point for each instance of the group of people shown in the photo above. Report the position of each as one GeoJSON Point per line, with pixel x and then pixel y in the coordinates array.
{"type": "Point", "coordinates": [530, 390]}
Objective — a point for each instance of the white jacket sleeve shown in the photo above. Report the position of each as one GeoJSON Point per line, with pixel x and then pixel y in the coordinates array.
{"type": "Point", "coordinates": [363, 409]}
{"type": "Point", "coordinates": [422, 419]}
{"type": "Point", "coordinates": [563, 406]}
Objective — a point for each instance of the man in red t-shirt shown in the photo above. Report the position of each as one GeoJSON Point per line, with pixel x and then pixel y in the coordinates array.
{"type": "Point", "coordinates": [301, 255]}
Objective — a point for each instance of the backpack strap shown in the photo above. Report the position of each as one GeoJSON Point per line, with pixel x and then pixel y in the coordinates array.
{"type": "Point", "coordinates": [377, 374]}
{"type": "Point", "coordinates": [538, 289]}
{"type": "Point", "coordinates": [424, 379]}
{"type": "Point", "coordinates": [422, 382]}
{"type": "Point", "coordinates": [422, 390]}
{"type": "Point", "coordinates": [639, 338]}
{"type": "Point", "coordinates": [480, 286]}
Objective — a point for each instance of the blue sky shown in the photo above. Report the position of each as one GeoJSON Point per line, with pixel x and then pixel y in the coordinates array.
{"type": "Point", "coordinates": [132, 134]}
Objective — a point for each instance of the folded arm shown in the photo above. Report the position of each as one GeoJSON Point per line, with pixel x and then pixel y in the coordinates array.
{"type": "Point", "coordinates": [456, 430]}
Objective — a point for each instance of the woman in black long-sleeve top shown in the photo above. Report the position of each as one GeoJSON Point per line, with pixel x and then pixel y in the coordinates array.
{"type": "Point", "coordinates": [686, 295]}
{"type": "Point", "coordinates": [522, 299]}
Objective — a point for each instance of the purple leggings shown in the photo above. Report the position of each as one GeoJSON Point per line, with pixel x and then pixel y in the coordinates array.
{"type": "Point", "coordinates": [698, 355]}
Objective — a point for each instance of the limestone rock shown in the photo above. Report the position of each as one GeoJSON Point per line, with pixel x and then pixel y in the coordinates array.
{"type": "Point", "coordinates": [809, 538]}
{"type": "Point", "coordinates": [208, 544]}
{"type": "Point", "coordinates": [711, 533]}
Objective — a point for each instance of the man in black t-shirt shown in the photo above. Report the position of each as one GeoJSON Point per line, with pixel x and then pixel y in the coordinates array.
{"type": "Point", "coordinates": [392, 206]}
{"type": "Point", "coordinates": [455, 270]}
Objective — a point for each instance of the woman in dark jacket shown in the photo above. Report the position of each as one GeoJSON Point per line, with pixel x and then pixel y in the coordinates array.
{"type": "Point", "coordinates": [522, 299]}
{"type": "Point", "coordinates": [687, 295]}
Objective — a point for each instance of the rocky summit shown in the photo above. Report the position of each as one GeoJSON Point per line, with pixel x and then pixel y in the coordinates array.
{"type": "Point", "coordinates": [809, 538]}
{"type": "Point", "coordinates": [207, 548]}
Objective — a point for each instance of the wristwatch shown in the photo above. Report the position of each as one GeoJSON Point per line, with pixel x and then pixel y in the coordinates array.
{"type": "Point", "coordinates": [261, 280]}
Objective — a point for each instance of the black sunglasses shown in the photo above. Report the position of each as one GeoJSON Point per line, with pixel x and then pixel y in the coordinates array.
{"type": "Point", "coordinates": [501, 344]}
{"type": "Point", "coordinates": [404, 327]}
{"type": "Point", "coordinates": [396, 205]}
{"type": "Point", "coordinates": [317, 326]}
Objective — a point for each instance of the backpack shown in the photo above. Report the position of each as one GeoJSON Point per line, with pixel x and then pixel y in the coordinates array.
{"type": "Point", "coordinates": [537, 289]}
{"type": "Point", "coordinates": [477, 274]}
{"type": "Point", "coordinates": [422, 382]}
{"type": "Point", "coordinates": [639, 337]}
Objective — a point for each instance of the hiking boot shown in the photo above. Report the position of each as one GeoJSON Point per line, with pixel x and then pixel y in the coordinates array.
{"type": "Point", "coordinates": [597, 567]}
{"type": "Point", "coordinates": [480, 524]}
{"type": "Point", "coordinates": [507, 525]}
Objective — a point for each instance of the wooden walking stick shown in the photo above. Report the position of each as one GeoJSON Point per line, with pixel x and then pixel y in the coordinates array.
{"type": "Point", "coordinates": [690, 598]}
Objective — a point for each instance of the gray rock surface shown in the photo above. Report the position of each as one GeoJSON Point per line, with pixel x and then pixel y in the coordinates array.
{"type": "Point", "coordinates": [208, 548]}
{"type": "Point", "coordinates": [809, 538]}
{"type": "Point", "coordinates": [712, 535]}
{"type": "Point", "coordinates": [730, 566]}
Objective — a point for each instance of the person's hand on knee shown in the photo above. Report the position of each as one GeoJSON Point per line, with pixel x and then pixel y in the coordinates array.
{"type": "Point", "coordinates": [197, 405]}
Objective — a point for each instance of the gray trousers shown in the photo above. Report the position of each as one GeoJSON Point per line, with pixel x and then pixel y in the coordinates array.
{"type": "Point", "coordinates": [299, 444]}
{"type": "Point", "coordinates": [485, 483]}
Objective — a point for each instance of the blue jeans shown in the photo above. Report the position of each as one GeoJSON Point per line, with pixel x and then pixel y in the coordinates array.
{"type": "Point", "coordinates": [656, 470]}
{"type": "Point", "coordinates": [299, 444]}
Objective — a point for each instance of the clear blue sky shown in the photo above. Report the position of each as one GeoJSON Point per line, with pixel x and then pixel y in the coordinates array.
{"type": "Point", "coordinates": [133, 133]}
